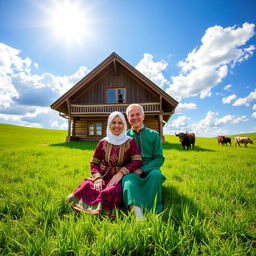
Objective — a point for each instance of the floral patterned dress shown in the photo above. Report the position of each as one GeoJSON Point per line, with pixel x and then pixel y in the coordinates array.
{"type": "Point", "coordinates": [107, 160]}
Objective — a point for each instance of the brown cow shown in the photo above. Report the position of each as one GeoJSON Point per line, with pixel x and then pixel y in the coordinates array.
{"type": "Point", "coordinates": [243, 140]}
{"type": "Point", "coordinates": [187, 139]}
{"type": "Point", "coordinates": [220, 139]}
{"type": "Point", "coordinates": [224, 140]}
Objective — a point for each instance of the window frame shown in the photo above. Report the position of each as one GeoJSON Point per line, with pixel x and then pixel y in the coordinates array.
{"type": "Point", "coordinates": [94, 129]}
{"type": "Point", "coordinates": [116, 95]}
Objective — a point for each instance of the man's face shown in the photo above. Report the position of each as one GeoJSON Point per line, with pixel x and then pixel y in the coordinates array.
{"type": "Point", "coordinates": [135, 118]}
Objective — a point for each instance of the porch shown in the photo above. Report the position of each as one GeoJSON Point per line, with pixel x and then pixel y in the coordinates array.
{"type": "Point", "coordinates": [99, 112]}
{"type": "Point", "coordinates": [151, 107]}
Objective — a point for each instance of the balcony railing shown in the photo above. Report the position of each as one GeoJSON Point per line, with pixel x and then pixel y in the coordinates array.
{"type": "Point", "coordinates": [151, 107]}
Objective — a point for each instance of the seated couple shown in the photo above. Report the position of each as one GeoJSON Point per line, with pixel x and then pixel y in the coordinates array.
{"type": "Point", "coordinates": [125, 164]}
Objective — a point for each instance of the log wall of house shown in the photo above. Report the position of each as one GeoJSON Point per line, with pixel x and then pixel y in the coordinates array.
{"type": "Point", "coordinates": [152, 123]}
{"type": "Point", "coordinates": [80, 126]}
{"type": "Point", "coordinates": [97, 93]}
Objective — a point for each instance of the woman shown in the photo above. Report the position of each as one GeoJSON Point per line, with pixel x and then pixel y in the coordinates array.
{"type": "Point", "coordinates": [115, 156]}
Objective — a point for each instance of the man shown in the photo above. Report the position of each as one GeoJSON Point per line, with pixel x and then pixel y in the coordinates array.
{"type": "Point", "coordinates": [143, 188]}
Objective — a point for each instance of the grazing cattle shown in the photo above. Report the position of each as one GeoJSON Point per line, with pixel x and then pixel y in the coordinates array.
{"type": "Point", "coordinates": [220, 139]}
{"type": "Point", "coordinates": [243, 140]}
{"type": "Point", "coordinates": [187, 139]}
{"type": "Point", "coordinates": [224, 140]}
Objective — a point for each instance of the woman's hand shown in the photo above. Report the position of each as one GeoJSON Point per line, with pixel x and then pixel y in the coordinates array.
{"type": "Point", "coordinates": [139, 171]}
{"type": "Point", "coordinates": [98, 184]}
{"type": "Point", "coordinates": [115, 179]}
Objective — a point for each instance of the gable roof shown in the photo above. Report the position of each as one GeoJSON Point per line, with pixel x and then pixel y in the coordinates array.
{"type": "Point", "coordinates": [112, 59]}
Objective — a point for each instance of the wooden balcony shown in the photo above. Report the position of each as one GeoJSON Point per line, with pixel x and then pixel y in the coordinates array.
{"type": "Point", "coordinates": [151, 107]}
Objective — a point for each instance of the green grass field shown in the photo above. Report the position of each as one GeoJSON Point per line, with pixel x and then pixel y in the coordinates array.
{"type": "Point", "coordinates": [209, 198]}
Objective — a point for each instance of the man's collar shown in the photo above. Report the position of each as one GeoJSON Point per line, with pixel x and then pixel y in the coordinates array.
{"type": "Point", "coordinates": [140, 130]}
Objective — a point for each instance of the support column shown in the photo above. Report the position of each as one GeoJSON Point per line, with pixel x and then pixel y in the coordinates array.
{"type": "Point", "coordinates": [161, 128]}
{"type": "Point", "coordinates": [69, 129]}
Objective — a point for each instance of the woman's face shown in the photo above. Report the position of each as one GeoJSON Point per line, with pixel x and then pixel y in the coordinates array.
{"type": "Point", "coordinates": [117, 126]}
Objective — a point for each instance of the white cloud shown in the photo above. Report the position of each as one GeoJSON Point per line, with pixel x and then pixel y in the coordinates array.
{"type": "Point", "coordinates": [17, 120]}
{"type": "Point", "coordinates": [37, 111]}
{"type": "Point", "coordinates": [19, 86]}
{"type": "Point", "coordinates": [212, 120]}
{"type": "Point", "coordinates": [39, 117]}
{"type": "Point", "coordinates": [185, 106]}
{"type": "Point", "coordinates": [254, 107]}
{"type": "Point", "coordinates": [205, 67]}
{"type": "Point", "coordinates": [229, 99]}
{"type": "Point", "coordinates": [211, 125]}
{"type": "Point", "coordinates": [7, 91]}
{"type": "Point", "coordinates": [11, 62]}
{"type": "Point", "coordinates": [245, 101]}
{"type": "Point", "coordinates": [231, 119]}
{"type": "Point", "coordinates": [254, 114]}
{"type": "Point", "coordinates": [25, 97]}
{"type": "Point", "coordinates": [60, 124]}
{"type": "Point", "coordinates": [153, 70]}
{"type": "Point", "coordinates": [180, 123]}
{"type": "Point", "coordinates": [8, 63]}
{"type": "Point", "coordinates": [227, 87]}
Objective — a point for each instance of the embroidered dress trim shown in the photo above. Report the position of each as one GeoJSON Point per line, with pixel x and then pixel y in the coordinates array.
{"type": "Point", "coordinates": [136, 158]}
{"type": "Point", "coordinates": [127, 145]}
{"type": "Point", "coordinates": [108, 151]}
{"type": "Point", "coordinates": [96, 176]}
{"type": "Point", "coordinates": [92, 209]}
{"type": "Point", "coordinates": [95, 160]}
{"type": "Point", "coordinates": [124, 171]}
{"type": "Point", "coordinates": [121, 155]}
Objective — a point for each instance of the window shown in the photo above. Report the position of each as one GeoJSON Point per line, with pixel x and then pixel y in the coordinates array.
{"type": "Point", "coordinates": [116, 95]}
{"type": "Point", "coordinates": [98, 129]}
{"type": "Point", "coordinates": [95, 129]}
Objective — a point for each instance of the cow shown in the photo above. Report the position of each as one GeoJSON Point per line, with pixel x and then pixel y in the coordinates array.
{"type": "Point", "coordinates": [224, 140]}
{"type": "Point", "coordinates": [243, 140]}
{"type": "Point", "coordinates": [220, 139]}
{"type": "Point", "coordinates": [187, 139]}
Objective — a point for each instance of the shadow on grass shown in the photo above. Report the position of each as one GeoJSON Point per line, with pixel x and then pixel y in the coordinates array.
{"type": "Point", "coordinates": [77, 145]}
{"type": "Point", "coordinates": [91, 145]}
{"type": "Point", "coordinates": [179, 204]}
{"type": "Point", "coordinates": [178, 146]}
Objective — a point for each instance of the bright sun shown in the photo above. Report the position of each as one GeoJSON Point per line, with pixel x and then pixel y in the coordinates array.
{"type": "Point", "coordinates": [69, 21]}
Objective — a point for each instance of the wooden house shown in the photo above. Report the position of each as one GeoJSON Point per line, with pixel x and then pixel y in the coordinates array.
{"type": "Point", "coordinates": [112, 86]}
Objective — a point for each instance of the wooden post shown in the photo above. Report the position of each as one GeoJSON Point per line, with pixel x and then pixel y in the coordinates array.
{"type": "Point", "coordinates": [69, 129]}
{"type": "Point", "coordinates": [161, 128]}
{"type": "Point", "coordinates": [68, 139]}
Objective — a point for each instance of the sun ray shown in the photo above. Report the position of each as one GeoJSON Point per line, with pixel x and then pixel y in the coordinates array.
{"type": "Point", "coordinates": [69, 22]}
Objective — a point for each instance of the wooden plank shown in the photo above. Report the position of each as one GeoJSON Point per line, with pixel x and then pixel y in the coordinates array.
{"type": "Point", "coordinates": [115, 66]}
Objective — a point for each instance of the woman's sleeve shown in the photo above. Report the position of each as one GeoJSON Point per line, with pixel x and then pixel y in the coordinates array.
{"type": "Point", "coordinates": [135, 159]}
{"type": "Point", "coordinates": [96, 161]}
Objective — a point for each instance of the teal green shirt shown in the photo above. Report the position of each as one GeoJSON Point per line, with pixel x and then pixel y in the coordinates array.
{"type": "Point", "coordinates": [150, 147]}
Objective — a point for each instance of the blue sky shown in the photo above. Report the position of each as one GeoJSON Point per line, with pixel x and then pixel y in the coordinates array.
{"type": "Point", "coordinates": [201, 52]}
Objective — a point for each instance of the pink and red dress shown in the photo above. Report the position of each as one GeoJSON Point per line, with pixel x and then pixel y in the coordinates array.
{"type": "Point", "coordinates": [107, 160]}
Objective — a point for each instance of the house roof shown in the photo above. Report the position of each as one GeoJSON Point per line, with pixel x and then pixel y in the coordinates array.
{"type": "Point", "coordinates": [112, 59]}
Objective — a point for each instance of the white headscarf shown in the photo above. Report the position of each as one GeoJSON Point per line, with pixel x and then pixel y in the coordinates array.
{"type": "Point", "coordinates": [122, 137]}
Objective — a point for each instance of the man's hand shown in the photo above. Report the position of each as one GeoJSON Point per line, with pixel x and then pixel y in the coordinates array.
{"type": "Point", "coordinates": [98, 184]}
{"type": "Point", "coordinates": [115, 179]}
{"type": "Point", "coordinates": [139, 171]}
